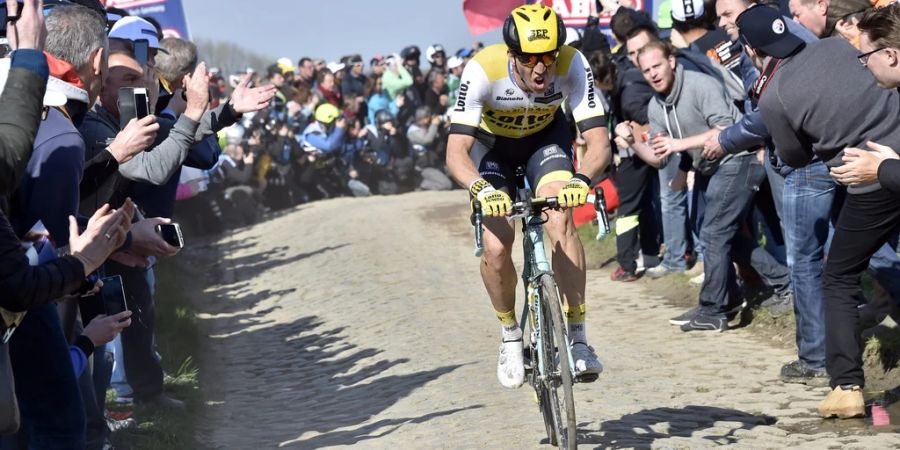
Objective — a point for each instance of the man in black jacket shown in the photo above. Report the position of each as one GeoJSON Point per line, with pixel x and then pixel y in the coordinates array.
{"type": "Point", "coordinates": [880, 50]}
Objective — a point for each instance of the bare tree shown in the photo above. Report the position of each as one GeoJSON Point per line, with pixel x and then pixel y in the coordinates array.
{"type": "Point", "coordinates": [231, 58]}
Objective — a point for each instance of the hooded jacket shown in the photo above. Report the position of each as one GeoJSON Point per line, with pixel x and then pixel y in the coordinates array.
{"type": "Point", "coordinates": [692, 108]}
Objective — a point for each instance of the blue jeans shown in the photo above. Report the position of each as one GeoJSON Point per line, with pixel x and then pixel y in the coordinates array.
{"type": "Point", "coordinates": [809, 200]}
{"type": "Point", "coordinates": [46, 387]}
{"type": "Point", "coordinates": [674, 219]}
{"type": "Point", "coordinates": [728, 195]}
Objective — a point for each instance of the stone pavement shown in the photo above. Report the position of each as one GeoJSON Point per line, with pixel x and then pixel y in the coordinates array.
{"type": "Point", "coordinates": [363, 322]}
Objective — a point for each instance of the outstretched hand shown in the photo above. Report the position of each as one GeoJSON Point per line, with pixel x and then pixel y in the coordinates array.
{"type": "Point", "coordinates": [27, 30]}
{"type": "Point", "coordinates": [245, 99]}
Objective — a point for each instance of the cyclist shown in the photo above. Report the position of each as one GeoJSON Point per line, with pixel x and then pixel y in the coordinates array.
{"type": "Point", "coordinates": [507, 115]}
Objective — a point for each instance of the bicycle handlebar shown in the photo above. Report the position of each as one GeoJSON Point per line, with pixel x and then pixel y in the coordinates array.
{"type": "Point", "coordinates": [528, 207]}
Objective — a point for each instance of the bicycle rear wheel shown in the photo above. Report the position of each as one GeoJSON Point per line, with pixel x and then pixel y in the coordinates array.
{"type": "Point", "coordinates": [559, 416]}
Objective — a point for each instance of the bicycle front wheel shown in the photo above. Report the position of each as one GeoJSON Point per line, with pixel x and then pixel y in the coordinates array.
{"type": "Point", "coordinates": [555, 348]}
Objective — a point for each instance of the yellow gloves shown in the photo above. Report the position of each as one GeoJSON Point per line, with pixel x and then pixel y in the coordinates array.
{"type": "Point", "coordinates": [493, 202]}
{"type": "Point", "coordinates": [575, 192]}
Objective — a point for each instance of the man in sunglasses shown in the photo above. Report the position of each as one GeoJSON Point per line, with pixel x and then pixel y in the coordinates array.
{"type": "Point", "coordinates": [814, 118]}
{"type": "Point", "coordinates": [507, 115]}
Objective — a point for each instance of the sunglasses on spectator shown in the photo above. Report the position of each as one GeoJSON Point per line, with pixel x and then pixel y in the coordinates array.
{"type": "Point", "coordinates": [863, 58]}
{"type": "Point", "coordinates": [531, 59]}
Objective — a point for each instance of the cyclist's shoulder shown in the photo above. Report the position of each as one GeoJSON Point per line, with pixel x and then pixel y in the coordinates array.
{"type": "Point", "coordinates": [493, 61]}
{"type": "Point", "coordinates": [569, 58]}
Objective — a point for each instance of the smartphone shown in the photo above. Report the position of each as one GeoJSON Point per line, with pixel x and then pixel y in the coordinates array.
{"type": "Point", "coordinates": [142, 51]}
{"type": "Point", "coordinates": [133, 103]}
{"type": "Point", "coordinates": [109, 301]}
{"type": "Point", "coordinates": [113, 295]}
{"type": "Point", "coordinates": [141, 103]}
{"type": "Point", "coordinates": [171, 233]}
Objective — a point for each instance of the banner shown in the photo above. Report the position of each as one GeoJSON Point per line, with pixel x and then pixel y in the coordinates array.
{"type": "Point", "coordinates": [576, 12]}
{"type": "Point", "coordinates": [486, 15]}
{"type": "Point", "coordinates": [169, 14]}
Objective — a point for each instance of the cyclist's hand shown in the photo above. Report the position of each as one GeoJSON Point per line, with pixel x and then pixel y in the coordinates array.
{"type": "Point", "coordinates": [574, 193]}
{"type": "Point", "coordinates": [493, 202]}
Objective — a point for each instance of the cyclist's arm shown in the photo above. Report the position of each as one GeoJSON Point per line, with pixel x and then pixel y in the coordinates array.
{"type": "Point", "coordinates": [588, 109]}
{"type": "Point", "coordinates": [465, 117]}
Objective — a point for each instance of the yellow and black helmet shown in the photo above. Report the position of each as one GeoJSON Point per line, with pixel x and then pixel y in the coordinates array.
{"type": "Point", "coordinates": [534, 29]}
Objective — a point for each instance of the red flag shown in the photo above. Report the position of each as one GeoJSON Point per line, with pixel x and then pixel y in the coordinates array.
{"type": "Point", "coordinates": [486, 15]}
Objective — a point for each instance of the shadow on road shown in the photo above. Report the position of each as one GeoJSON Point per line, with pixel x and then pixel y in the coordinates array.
{"type": "Point", "coordinates": [301, 383]}
{"type": "Point", "coordinates": [640, 430]}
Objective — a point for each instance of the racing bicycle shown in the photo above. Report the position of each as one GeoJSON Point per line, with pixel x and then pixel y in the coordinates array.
{"type": "Point", "coordinates": [549, 367]}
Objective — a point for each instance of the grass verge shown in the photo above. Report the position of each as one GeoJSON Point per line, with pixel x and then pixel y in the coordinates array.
{"type": "Point", "coordinates": [177, 340]}
{"type": "Point", "coordinates": [881, 354]}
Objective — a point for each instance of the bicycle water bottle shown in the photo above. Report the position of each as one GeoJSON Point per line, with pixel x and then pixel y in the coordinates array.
{"type": "Point", "coordinates": [602, 218]}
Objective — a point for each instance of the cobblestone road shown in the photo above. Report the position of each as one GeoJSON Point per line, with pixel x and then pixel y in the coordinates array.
{"type": "Point", "coordinates": [364, 323]}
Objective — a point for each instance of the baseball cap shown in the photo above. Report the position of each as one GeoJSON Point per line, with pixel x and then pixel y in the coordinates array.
{"type": "Point", "coordinates": [763, 28]}
{"type": "Point", "coordinates": [377, 59]}
{"type": "Point", "coordinates": [335, 67]}
{"type": "Point", "coordinates": [133, 28]}
{"type": "Point", "coordinates": [410, 52]}
{"type": "Point", "coordinates": [684, 10]}
{"type": "Point", "coordinates": [356, 59]}
{"type": "Point", "coordinates": [286, 65]}
{"type": "Point", "coordinates": [465, 52]}
{"type": "Point", "coordinates": [454, 62]}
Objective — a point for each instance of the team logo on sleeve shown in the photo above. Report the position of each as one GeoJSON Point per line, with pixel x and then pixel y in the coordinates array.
{"type": "Point", "coordinates": [461, 98]}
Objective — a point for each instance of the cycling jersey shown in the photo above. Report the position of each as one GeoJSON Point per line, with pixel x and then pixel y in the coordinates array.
{"type": "Point", "coordinates": [489, 99]}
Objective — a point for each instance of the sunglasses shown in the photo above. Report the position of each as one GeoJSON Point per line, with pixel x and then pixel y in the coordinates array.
{"type": "Point", "coordinates": [531, 59]}
{"type": "Point", "coordinates": [863, 58]}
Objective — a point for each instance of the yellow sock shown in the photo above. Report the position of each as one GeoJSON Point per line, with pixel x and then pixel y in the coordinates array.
{"type": "Point", "coordinates": [507, 319]}
{"type": "Point", "coordinates": [576, 315]}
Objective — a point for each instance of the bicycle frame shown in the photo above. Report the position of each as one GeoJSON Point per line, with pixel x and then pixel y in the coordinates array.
{"type": "Point", "coordinates": [536, 265]}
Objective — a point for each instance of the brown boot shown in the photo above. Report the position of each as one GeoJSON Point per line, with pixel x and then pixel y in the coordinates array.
{"type": "Point", "coordinates": [843, 403]}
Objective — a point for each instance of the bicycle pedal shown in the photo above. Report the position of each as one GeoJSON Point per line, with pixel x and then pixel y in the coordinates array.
{"type": "Point", "coordinates": [587, 377]}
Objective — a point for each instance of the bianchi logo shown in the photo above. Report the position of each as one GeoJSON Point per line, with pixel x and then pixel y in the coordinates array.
{"type": "Point", "coordinates": [510, 92]}
{"type": "Point", "coordinates": [509, 99]}
{"type": "Point", "coordinates": [492, 165]}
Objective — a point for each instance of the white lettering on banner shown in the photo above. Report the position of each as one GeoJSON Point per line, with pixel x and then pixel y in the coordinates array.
{"type": "Point", "coordinates": [126, 4]}
{"type": "Point", "coordinates": [579, 8]}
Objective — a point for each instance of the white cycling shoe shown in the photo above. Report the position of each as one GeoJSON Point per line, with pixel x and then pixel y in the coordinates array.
{"type": "Point", "coordinates": [586, 361]}
{"type": "Point", "coordinates": [510, 365]}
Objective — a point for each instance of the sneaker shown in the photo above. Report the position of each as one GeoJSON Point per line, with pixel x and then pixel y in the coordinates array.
{"type": "Point", "coordinates": [621, 275]}
{"type": "Point", "coordinates": [686, 317]}
{"type": "Point", "coordinates": [658, 271]}
{"type": "Point", "coordinates": [798, 372]}
{"type": "Point", "coordinates": [779, 304]}
{"type": "Point", "coordinates": [166, 402]}
{"type": "Point", "coordinates": [586, 361]}
{"type": "Point", "coordinates": [119, 425]}
{"type": "Point", "coordinates": [696, 269]}
{"type": "Point", "coordinates": [698, 280]}
{"type": "Point", "coordinates": [706, 323]}
{"type": "Point", "coordinates": [733, 311]}
{"type": "Point", "coordinates": [510, 364]}
{"type": "Point", "coordinates": [843, 402]}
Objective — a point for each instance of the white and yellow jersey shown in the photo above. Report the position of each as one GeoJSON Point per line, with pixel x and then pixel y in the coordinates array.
{"type": "Point", "coordinates": [489, 98]}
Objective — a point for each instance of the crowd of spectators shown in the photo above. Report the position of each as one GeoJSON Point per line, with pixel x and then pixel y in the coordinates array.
{"type": "Point", "coordinates": [744, 180]}
{"type": "Point", "coordinates": [753, 153]}
{"type": "Point", "coordinates": [348, 127]}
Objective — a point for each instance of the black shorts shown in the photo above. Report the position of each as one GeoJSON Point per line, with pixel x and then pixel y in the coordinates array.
{"type": "Point", "coordinates": [545, 155]}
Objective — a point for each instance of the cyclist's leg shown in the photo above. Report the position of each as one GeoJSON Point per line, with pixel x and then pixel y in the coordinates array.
{"type": "Point", "coordinates": [549, 168]}
{"type": "Point", "coordinates": [498, 272]}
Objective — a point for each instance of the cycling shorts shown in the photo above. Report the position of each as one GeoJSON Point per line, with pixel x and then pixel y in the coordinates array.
{"type": "Point", "coordinates": [546, 156]}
